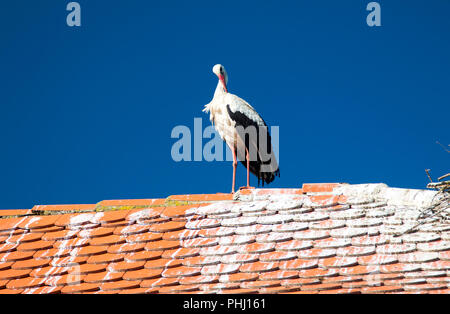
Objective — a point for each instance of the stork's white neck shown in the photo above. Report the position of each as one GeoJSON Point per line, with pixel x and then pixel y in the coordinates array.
{"type": "Point", "coordinates": [220, 90]}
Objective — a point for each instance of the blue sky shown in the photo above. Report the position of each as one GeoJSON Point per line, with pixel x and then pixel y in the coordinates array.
{"type": "Point", "coordinates": [86, 113]}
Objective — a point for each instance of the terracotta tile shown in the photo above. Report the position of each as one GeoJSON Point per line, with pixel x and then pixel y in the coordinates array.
{"type": "Point", "coordinates": [382, 289]}
{"type": "Point", "coordinates": [436, 246]}
{"type": "Point", "coordinates": [97, 232]}
{"type": "Point", "coordinates": [74, 219]}
{"type": "Point", "coordinates": [143, 237]}
{"type": "Point", "coordinates": [29, 264]}
{"type": "Point", "coordinates": [35, 246]}
{"type": "Point", "coordinates": [38, 222]}
{"type": "Point", "coordinates": [5, 265]}
{"type": "Point", "coordinates": [277, 256]}
{"type": "Point", "coordinates": [216, 232]}
{"type": "Point", "coordinates": [138, 291]}
{"type": "Point", "coordinates": [105, 258]}
{"type": "Point", "coordinates": [342, 279]}
{"type": "Point", "coordinates": [274, 237]}
{"type": "Point", "coordinates": [10, 224]}
{"type": "Point", "coordinates": [63, 280]}
{"type": "Point", "coordinates": [298, 264]}
{"type": "Point", "coordinates": [49, 271]}
{"type": "Point", "coordinates": [80, 288]}
{"type": "Point", "coordinates": [68, 261]}
{"type": "Point", "coordinates": [108, 240]}
{"type": "Point", "coordinates": [257, 248]}
{"type": "Point", "coordinates": [199, 279]}
{"type": "Point", "coordinates": [60, 235]}
{"type": "Point", "coordinates": [178, 289]}
{"type": "Point", "coordinates": [205, 223]}
{"type": "Point", "coordinates": [70, 243]}
{"type": "Point", "coordinates": [51, 253]}
{"type": "Point", "coordinates": [279, 275]}
{"type": "Point", "coordinates": [179, 211]}
{"type": "Point", "coordinates": [7, 247]}
{"type": "Point", "coordinates": [9, 233]}
{"type": "Point", "coordinates": [25, 283]}
{"type": "Point", "coordinates": [259, 267]}
{"type": "Point", "coordinates": [144, 214]}
{"type": "Point", "coordinates": [111, 216]}
{"type": "Point", "coordinates": [220, 287]}
{"type": "Point", "coordinates": [198, 261]}
{"type": "Point", "coordinates": [319, 187]}
{"type": "Point", "coordinates": [240, 258]}
{"type": "Point", "coordinates": [133, 202]}
{"type": "Point", "coordinates": [62, 208]}
{"type": "Point", "coordinates": [203, 197]}
{"type": "Point", "coordinates": [289, 227]}
{"type": "Point", "coordinates": [317, 273]}
{"type": "Point", "coordinates": [399, 268]}
{"type": "Point", "coordinates": [327, 224]}
{"type": "Point", "coordinates": [167, 226]}
{"type": "Point", "coordinates": [316, 253]}
{"type": "Point", "coordinates": [438, 265]}
{"type": "Point", "coordinates": [241, 291]}
{"type": "Point", "coordinates": [361, 284]}
{"type": "Point", "coordinates": [221, 269]}
{"type": "Point", "coordinates": [131, 229]}
{"type": "Point", "coordinates": [294, 245]}
{"type": "Point", "coordinates": [159, 282]}
{"type": "Point", "coordinates": [162, 263]}
{"type": "Point", "coordinates": [238, 277]}
{"type": "Point", "coordinates": [142, 274]}
{"type": "Point", "coordinates": [260, 284]}
{"type": "Point", "coordinates": [143, 256]}
{"type": "Point", "coordinates": [219, 250]}
{"type": "Point", "coordinates": [22, 238]}
{"type": "Point", "coordinates": [126, 248]}
{"type": "Point", "coordinates": [85, 269]}
{"type": "Point", "coordinates": [10, 274]}
{"type": "Point", "coordinates": [445, 256]}
{"type": "Point", "coordinates": [180, 235]}
{"type": "Point", "coordinates": [396, 248]}
{"type": "Point", "coordinates": [418, 257]}
{"type": "Point", "coordinates": [125, 266]}
{"type": "Point", "coordinates": [180, 253]}
{"type": "Point", "coordinates": [181, 271]}
{"type": "Point", "coordinates": [321, 287]}
{"type": "Point", "coordinates": [16, 256]}
{"type": "Point", "coordinates": [340, 291]}
{"type": "Point", "coordinates": [102, 277]}
{"type": "Point", "coordinates": [14, 212]}
{"type": "Point", "coordinates": [355, 251]}
{"type": "Point", "coordinates": [378, 259]}
{"type": "Point", "coordinates": [311, 235]}
{"type": "Point", "coordinates": [42, 290]}
{"type": "Point", "coordinates": [199, 242]}
{"type": "Point", "coordinates": [338, 262]}
{"type": "Point", "coordinates": [116, 224]}
{"type": "Point", "coordinates": [11, 291]}
{"type": "Point", "coordinates": [319, 201]}
{"type": "Point", "coordinates": [359, 270]}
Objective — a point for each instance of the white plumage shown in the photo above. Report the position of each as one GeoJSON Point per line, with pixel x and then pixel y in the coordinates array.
{"type": "Point", "coordinates": [244, 131]}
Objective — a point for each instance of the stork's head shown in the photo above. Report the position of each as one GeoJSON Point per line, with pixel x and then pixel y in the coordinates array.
{"type": "Point", "coordinates": [219, 70]}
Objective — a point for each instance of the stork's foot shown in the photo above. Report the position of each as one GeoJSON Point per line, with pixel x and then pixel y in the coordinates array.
{"type": "Point", "coordinates": [246, 188]}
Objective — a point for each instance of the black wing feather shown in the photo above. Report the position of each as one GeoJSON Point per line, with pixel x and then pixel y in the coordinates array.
{"type": "Point", "coordinates": [255, 165]}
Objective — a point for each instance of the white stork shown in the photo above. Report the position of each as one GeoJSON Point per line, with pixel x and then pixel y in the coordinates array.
{"type": "Point", "coordinates": [244, 131]}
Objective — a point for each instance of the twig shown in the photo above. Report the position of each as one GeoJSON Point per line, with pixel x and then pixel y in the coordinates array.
{"type": "Point", "coordinates": [428, 174]}
{"type": "Point", "coordinates": [446, 149]}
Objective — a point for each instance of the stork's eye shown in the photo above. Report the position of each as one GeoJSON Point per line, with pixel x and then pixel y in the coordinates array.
{"type": "Point", "coordinates": [221, 70]}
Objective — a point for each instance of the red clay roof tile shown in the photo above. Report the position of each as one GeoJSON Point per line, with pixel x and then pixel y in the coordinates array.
{"type": "Point", "coordinates": [276, 241]}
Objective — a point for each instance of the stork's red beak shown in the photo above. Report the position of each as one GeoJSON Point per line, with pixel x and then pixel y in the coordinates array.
{"type": "Point", "coordinates": [222, 79]}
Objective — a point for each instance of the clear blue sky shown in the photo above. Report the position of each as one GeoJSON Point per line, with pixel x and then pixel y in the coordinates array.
{"type": "Point", "coordinates": [86, 113]}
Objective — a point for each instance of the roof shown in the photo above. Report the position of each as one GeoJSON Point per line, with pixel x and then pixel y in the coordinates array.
{"type": "Point", "coordinates": [321, 238]}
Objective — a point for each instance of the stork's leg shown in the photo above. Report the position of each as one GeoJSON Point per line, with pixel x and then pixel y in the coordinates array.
{"type": "Point", "coordinates": [248, 167]}
{"type": "Point", "coordinates": [233, 150]}
{"type": "Point", "coordinates": [248, 171]}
